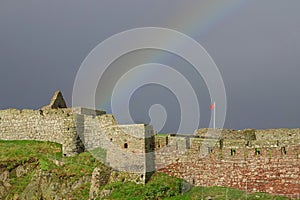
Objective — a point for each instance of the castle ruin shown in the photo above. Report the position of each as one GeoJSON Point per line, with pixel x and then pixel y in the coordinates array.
{"type": "Point", "coordinates": [250, 160]}
{"type": "Point", "coordinates": [123, 147]}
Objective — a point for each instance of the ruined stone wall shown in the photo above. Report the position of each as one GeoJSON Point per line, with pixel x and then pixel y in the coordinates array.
{"type": "Point", "coordinates": [124, 146]}
{"type": "Point", "coordinates": [261, 160]}
{"type": "Point", "coordinates": [271, 165]}
{"type": "Point", "coordinates": [291, 135]}
{"type": "Point", "coordinates": [91, 129]}
{"type": "Point", "coordinates": [282, 134]}
{"type": "Point", "coordinates": [43, 125]}
{"type": "Point", "coordinates": [169, 152]}
{"type": "Point", "coordinates": [127, 148]}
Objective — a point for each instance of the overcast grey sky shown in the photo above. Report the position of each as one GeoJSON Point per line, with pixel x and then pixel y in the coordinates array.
{"type": "Point", "coordinates": [255, 44]}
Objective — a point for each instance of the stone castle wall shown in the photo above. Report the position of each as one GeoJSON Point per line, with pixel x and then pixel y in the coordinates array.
{"type": "Point", "coordinates": [122, 147]}
{"type": "Point", "coordinates": [270, 164]}
{"type": "Point", "coordinates": [251, 160]}
{"type": "Point", "coordinates": [43, 125]}
{"type": "Point", "coordinates": [128, 148]}
{"type": "Point", "coordinates": [125, 145]}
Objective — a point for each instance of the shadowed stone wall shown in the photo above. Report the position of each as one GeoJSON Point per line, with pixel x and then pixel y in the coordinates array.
{"type": "Point", "coordinates": [127, 148]}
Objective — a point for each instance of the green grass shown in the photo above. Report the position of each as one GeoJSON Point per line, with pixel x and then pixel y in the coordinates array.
{"type": "Point", "coordinates": [19, 184]}
{"type": "Point", "coordinates": [82, 192]}
{"type": "Point", "coordinates": [100, 154]}
{"type": "Point", "coordinates": [41, 155]}
{"type": "Point", "coordinates": [160, 186]}
{"type": "Point", "coordinates": [16, 152]}
{"type": "Point", "coordinates": [222, 193]}
{"type": "Point", "coordinates": [29, 153]}
{"type": "Point", "coordinates": [162, 134]}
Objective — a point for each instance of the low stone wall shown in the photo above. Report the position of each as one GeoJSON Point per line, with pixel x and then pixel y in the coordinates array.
{"type": "Point", "coordinates": [43, 125]}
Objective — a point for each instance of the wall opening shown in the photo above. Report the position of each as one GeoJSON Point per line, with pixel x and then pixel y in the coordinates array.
{"type": "Point", "coordinates": [125, 145]}
{"type": "Point", "coordinates": [257, 151]}
{"type": "Point", "coordinates": [111, 139]}
{"type": "Point", "coordinates": [232, 152]}
{"type": "Point", "coordinates": [248, 144]}
{"type": "Point", "coordinates": [41, 112]}
{"type": "Point", "coordinates": [158, 144]}
{"type": "Point", "coordinates": [221, 144]}
{"type": "Point", "coordinates": [209, 149]}
{"type": "Point", "coordinates": [283, 151]}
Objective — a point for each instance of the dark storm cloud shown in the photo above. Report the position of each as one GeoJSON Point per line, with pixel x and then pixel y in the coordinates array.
{"type": "Point", "coordinates": [256, 47]}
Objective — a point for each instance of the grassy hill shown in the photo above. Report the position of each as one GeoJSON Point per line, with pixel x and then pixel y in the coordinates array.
{"type": "Point", "coordinates": [36, 170]}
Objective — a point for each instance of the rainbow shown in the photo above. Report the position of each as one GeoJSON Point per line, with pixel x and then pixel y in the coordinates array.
{"type": "Point", "coordinates": [200, 20]}
{"type": "Point", "coordinates": [195, 21]}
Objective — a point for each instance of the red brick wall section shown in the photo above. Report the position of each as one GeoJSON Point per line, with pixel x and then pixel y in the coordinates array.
{"type": "Point", "coordinates": [271, 171]}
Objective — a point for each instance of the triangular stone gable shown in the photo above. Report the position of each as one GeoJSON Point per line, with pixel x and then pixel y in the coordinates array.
{"type": "Point", "coordinates": [57, 101]}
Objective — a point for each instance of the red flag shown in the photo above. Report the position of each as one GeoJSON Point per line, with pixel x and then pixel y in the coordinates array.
{"type": "Point", "coordinates": [212, 106]}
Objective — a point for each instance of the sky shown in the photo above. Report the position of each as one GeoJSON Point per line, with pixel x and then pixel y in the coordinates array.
{"type": "Point", "coordinates": [255, 45]}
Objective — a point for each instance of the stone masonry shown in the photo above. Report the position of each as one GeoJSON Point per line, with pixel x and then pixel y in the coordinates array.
{"type": "Point", "coordinates": [251, 160]}
{"type": "Point", "coordinates": [123, 147]}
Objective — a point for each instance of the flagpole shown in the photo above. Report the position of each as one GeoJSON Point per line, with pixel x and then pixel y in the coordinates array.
{"type": "Point", "coordinates": [214, 123]}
